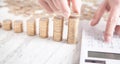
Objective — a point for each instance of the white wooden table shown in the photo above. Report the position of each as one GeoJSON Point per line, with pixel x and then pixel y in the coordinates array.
{"type": "Point", "coordinates": [23, 49]}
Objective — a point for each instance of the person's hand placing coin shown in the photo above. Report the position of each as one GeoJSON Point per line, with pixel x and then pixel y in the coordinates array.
{"type": "Point", "coordinates": [112, 6]}
{"type": "Point", "coordinates": [61, 7]}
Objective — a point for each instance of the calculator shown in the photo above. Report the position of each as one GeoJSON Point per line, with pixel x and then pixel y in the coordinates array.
{"type": "Point", "coordinates": [93, 48]}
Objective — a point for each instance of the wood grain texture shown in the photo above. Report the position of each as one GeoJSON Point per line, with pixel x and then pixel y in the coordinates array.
{"type": "Point", "coordinates": [23, 49]}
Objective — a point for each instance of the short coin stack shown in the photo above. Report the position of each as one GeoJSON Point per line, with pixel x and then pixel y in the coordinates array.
{"type": "Point", "coordinates": [7, 24]}
{"type": "Point", "coordinates": [31, 27]}
{"type": "Point", "coordinates": [18, 26]}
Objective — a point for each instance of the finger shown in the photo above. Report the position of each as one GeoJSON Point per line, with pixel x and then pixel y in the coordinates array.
{"type": "Point", "coordinates": [69, 3]}
{"type": "Point", "coordinates": [52, 5]}
{"type": "Point", "coordinates": [76, 6]}
{"type": "Point", "coordinates": [117, 30]}
{"type": "Point", "coordinates": [64, 7]}
{"type": "Point", "coordinates": [57, 4]}
{"type": "Point", "coordinates": [111, 23]}
{"type": "Point", "coordinates": [107, 8]}
{"type": "Point", "coordinates": [45, 6]}
{"type": "Point", "coordinates": [98, 14]}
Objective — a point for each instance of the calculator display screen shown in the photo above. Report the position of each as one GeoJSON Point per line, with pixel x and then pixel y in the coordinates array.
{"type": "Point", "coordinates": [104, 55]}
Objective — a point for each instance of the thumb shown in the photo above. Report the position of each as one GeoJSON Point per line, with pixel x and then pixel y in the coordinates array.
{"type": "Point", "coordinates": [76, 6]}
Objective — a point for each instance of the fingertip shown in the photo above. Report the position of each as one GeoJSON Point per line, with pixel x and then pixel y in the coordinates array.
{"type": "Point", "coordinates": [76, 6]}
{"type": "Point", "coordinates": [77, 11]}
{"type": "Point", "coordinates": [117, 30]}
{"type": "Point", "coordinates": [66, 14]}
{"type": "Point", "coordinates": [107, 38]}
{"type": "Point", "coordinates": [93, 23]}
{"type": "Point", "coordinates": [64, 7]}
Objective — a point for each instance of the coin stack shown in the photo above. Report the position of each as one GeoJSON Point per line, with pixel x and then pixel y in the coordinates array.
{"type": "Point", "coordinates": [73, 23]}
{"type": "Point", "coordinates": [43, 27]}
{"type": "Point", "coordinates": [18, 26]}
{"type": "Point", "coordinates": [31, 27]}
{"type": "Point", "coordinates": [7, 25]}
{"type": "Point", "coordinates": [58, 28]}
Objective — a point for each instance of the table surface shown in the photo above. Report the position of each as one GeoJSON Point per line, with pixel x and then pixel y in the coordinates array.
{"type": "Point", "coordinates": [22, 49]}
{"type": "Point", "coordinates": [19, 48]}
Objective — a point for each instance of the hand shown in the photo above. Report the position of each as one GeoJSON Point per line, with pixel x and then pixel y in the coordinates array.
{"type": "Point", "coordinates": [61, 6]}
{"type": "Point", "coordinates": [112, 6]}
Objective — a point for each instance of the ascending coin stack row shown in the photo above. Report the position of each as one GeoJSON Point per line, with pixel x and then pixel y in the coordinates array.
{"type": "Point", "coordinates": [58, 25]}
